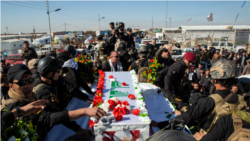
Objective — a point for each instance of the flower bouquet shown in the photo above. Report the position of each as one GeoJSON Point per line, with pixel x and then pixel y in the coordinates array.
{"type": "Point", "coordinates": [86, 61]}
{"type": "Point", "coordinates": [21, 131]}
{"type": "Point", "coordinates": [152, 71]}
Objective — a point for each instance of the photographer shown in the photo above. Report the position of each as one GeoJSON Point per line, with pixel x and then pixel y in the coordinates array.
{"type": "Point", "coordinates": [120, 35]}
{"type": "Point", "coordinates": [4, 80]}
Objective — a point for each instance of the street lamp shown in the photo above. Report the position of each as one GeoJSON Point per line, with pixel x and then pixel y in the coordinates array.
{"type": "Point", "coordinates": [99, 22]}
{"type": "Point", "coordinates": [49, 20]}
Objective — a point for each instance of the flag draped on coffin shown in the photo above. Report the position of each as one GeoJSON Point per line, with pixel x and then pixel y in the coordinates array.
{"type": "Point", "coordinates": [210, 17]}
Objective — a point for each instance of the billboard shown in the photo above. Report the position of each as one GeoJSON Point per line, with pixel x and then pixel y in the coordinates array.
{"type": "Point", "coordinates": [242, 37]}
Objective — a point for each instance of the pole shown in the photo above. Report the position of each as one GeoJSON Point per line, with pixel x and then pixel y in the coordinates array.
{"type": "Point", "coordinates": [35, 31]}
{"type": "Point", "coordinates": [49, 24]}
{"type": "Point", "coordinates": [7, 30]}
{"type": "Point", "coordinates": [99, 23]}
{"type": "Point", "coordinates": [170, 22]}
{"type": "Point", "coordinates": [190, 34]}
{"type": "Point", "coordinates": [152, 28]}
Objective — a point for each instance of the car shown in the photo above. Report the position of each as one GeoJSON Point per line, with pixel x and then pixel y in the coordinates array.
{"type": "Point", "coordinates": [177, 53]}
{"type": "Point", "coordinates": [197, 41]}
{"type": "Point", "coordinates": [187, 49]}
{"type": "Point", "coordinates": [43, 50]}
{"type": "Point", "coordinates": [19, 62]}
{"type": "Point", "coordinates": [14, 58]}
{"type": "Point", "coordinates": [225, 45]}
{"type": "Point", "coordinates": [159, 44]}
{"type": "Point", "coordinates": [164, 41]}
{"type": "Point", "coordinates": [144, 41]}
{"type": "Point", "coordinates": [245, 82]}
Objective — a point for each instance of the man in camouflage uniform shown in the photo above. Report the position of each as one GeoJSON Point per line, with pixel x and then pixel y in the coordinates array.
{"type": "Point", "coordinates": [28, 53]}
{"type": "Point", "coordinates": [103, 51]}
{"type": "Point", "coordinates": [120, 35]}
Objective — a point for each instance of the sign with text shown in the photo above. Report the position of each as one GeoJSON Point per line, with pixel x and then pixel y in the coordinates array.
{"type": "Point", "coordinates": [242, 37]}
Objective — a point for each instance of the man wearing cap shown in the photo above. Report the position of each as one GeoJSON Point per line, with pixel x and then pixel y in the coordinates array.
{"type": "Point", "coordinates": [32, 65]}
{"type": "Point", "coordinates": [173, 76]}
{"type": "Point", "coordinates": [21, 94]}
{"type": "Point", "coordinates": [205, 57]}
{"type": "Point", "coordinates": [131, 42]}
{"type": "Point", "coordinates": [28, 53]}
{"type": "Point", "coordinates": [246, 68]}
{"type": "Point", "coordinates": [120, 35]}
{"type": "Point", "coordinates": [133, 55]}
{"type": "Point", "coordinates": [164, 58]}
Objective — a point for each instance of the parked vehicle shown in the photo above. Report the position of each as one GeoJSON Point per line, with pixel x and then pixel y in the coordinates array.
{"type": "Point", "coordinates": [197, 41]}
{"type": "Point", "coordinates": [19, 62]}
{"type": "Point", "coordinates": [177, 53]}
{"type": "Point", "coordinates": [225, 45]}
{"type": "Point", "coordinates": [14, 58]}
{"type": "Point", "coordinates": [164, 41]}
{"type": "Point", "coordinates": [43, 50]}
{"type": "Point", "coordinates": [188, 49]}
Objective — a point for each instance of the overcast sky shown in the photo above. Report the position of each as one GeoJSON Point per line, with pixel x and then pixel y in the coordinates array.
{"type": "Point", "coordinates": [21, 16]}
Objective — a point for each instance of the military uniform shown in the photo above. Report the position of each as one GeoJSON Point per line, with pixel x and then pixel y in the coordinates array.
{"type": "Point", "coordinates": [143, 63]}
{"type": "Point", "coordinates": [103, 53]}
{"type": "Point", "coordinates": [28, 55]}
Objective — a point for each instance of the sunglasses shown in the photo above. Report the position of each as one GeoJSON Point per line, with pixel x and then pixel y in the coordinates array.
{"type": "Point", "coordinates": [116, 56]}
{"type": "Point", "coordinates": [24, 82]}
{"type": "Point", "coordinates": [165, 50]}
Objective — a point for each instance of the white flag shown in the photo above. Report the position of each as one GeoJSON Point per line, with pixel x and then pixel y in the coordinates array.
{"type": "Point", "coordinates": [210, 17]}
{"type": "Point", "coordinates": [88, 39]}
{"type": "Point", "coordinates": [189, 19]}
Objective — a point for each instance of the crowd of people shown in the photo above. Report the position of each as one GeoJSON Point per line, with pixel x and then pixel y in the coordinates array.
{"type": "Point", "coordinates": [203, 85]}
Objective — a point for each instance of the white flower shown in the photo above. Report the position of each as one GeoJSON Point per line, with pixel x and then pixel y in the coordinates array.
{"type": "Point", "coordinates": [12, 138]}
{"type": "Point", "coordinates": [94, 119]}
{"type": "Point", "coordinates": [129, 108]}
{"type": "Point", "coordinates": [105, 106]}
{"type": "Point", "coordinates": [112, 80]}
{"type": "Point", "coordinates": [115, 99]}
{"type": "Point", "coordinates": [145, 119]}
{"type": "Point", "coordinates": [119, 105]}
{"type": "Point", "coordinates": [143, 110]}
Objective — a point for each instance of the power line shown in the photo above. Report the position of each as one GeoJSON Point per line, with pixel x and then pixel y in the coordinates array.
{"type": "Point", "coordinates": [51, 28]}
{"type": "Point", "coordinates": [22, 5]}
{"type": "Point", "coordinates": [31, 4]}
{"type": "Point", "coordinates": [74, 26]}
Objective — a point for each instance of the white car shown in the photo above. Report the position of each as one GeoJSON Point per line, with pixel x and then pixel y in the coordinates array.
{"type": "Point", "coordinates": [188, 49]}
{"type": "Point", "coordinates": [225, 45]}
{"type": "Point", "coordinates": [177, 53]}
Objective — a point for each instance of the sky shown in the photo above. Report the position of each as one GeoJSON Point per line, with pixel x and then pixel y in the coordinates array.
{"type": "Point", "coordinates": [22, 16]}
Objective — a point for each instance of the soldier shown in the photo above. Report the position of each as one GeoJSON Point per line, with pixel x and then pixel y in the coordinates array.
{"type": "Point", "coordinates": [28, 53]}
{"type": "Point", "coordinates": [208, 110]}
{"type": "Point", "coordinates": [124, 57]}
{"type": "Point", "coordinates": [103, 52]}
{"type": "Point", "coordinates": [71, 75]}
{"type": "Point", "coordinates": [120, 35]}
{"type": "Point", "coordinates": [131, 41]}
{"type": "Point", "coordinates": [32, 65]}
{"type": "Point", "coordinates": [154, 45]}
{"type": "Point", "coordinates": [143, 61]}
{"type": "Point", "coordinates": [110, 37]}
{"type": "Point", "coordinates": [133, 55]}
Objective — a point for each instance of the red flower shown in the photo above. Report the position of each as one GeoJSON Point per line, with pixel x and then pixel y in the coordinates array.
{"type": "Point", "coordinates": [119, 110]}
{"type": "Point", "coordinates": [145, 71]}
{"type": "Point", "coordinates": [124, 84]}
{"type": "Point", "coordinates": [86, 60]}
{"type": "Point", "coordinates": [83, 57]}
{"type": "Point", "coordinates": [111, 102]}
{"type": "Point", "coordinates": [77, 59]}
{"type": "Point", "coordinates": [79, 55]}
{"type": "Point", "coordinates": [150, 70]}
{"type": "Point", "coordinates": [119, 102]}
{"type": "Point", "coordinates": [136, 112]}
{"type": "Point", "coordinates": [131, 96]}
{"type": "Point", "coordinates": [111, 107]}
{"type": "Point", "coordinates": [118, 117]}
{"type": "Point", "coordinates": [91, 123]}
{"type": "Point", "coordinates": [125, 103]}
{"type": "Point", "coordinates": [126, 110]}
{"type": "Point", "coordinates": [152, 60]}
{"type": "Point", "coordinates": [111, 76]}
{"type": "Point", "coordinates": [149, 80]}
{"type": "Point", "coordinates": [93, 70]}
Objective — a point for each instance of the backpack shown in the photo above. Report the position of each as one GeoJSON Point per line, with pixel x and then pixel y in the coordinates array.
{"type": "Point", "coordinates": [71, 78]}
{"type": "Point", "coordinates": [222, 108]}
{"type": "Point", "coordinates": [239, 134]}
{"type": "Point", "coordinates": [141, 79]}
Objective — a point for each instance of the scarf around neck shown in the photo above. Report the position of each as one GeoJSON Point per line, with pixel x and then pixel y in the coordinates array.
{"type": "Point", "coordinates": [119, 66]}
{"type": "Point", "coordinates": [71, 63]}
{"type": "Point", "coordinates": [18, 97]}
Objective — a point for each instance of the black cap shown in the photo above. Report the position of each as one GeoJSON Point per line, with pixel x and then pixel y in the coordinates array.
{"type": "Point", "coordinates": [112, 23]}
{"type": "Point", "coordinates": [120, 49]}
{"type": "Point", "coordinates": [63, 55]}
{"type": "Point", "coordinates": [51, 54]}
{"type": "Point", "coordinates": [17, 71]}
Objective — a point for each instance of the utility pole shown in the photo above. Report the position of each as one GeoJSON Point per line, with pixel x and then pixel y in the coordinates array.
{"type": "Point", "coordinates": [170, 22]}
{"type": "Point", "coordinates": [49, 23]}
{"type": "Point", "coordinates": [7, 29]}
{"type": "Point", "coordinates": [34, 29]}
{"type": "Point", "coordinates": [65, 28]}
{"type": "Point", "coordinates": [152, 27]}
{"type": "Point", "coordinates": [166, 14]}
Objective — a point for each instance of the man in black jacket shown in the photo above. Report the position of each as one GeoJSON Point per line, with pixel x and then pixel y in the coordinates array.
{"type": "Point", "coordinates": [151, 53]}
{"type": "Point", "coordinates": [28, 53]}
{"type": "Point", "coordinates": [131, 42]}
{"type": "Point", "coordinates": [203, 108]}
{"type": "Point", "coordinates": [32, 64]}
{"type": "Point", "coordinates": [143, 61]}
{"type": "Point", "coordinates": [164, 58]}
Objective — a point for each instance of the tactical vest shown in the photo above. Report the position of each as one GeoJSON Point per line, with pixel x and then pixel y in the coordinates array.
{"type": "Point", "coordinates": [239, 134]}
{"type": "Point", "coordinates": [102, 56]}
{"type": "Point", "coordinates": [224, 109]}
{"type": "Point", "coordinates": [71, 78]}
{"type": "Point", "coordinates": [7, 102]}
{"type": "Point", "coordinates": [118, 41]}
{"type": "Point", "coordinates": [141, 79]}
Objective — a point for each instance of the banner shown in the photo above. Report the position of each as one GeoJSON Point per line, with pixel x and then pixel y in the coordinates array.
{"type": "Point", "coordinates": [242, 37]}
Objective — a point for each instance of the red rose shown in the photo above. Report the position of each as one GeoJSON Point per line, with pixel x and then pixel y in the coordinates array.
{"type": "Point", "coordinates": [124, 84]}
{"type": "Point", "coordinates": [111, 76]}
{"type": "Point", "coordinates": [111, 102]}
{"type": "Point", "coordinates": [86, 60]}
{"type": "Point", "coordinates": [83, 57]}
{"type": "Point", "coordinates": [79, 55]}
{"type": "Point", "coordinates": [150, 70]}
{"type": "Point", "coordinates": [118, 117]}
{"type": "Point", "coordinates": [92, 123]}
{"type": "Point", "coordinates": [77, 59]}
{"type": "Point", "coordinates": [136, 112]}
{"type": "Point", "coordinates": [119, 102]}
{"type": "Point", "coordinates": [149, 80]}
{"type": "Point", "coordinates": [126, 110]}
{"type": "Point", "coordinates": [145, 71]}
{"type": "Point", "coordinates": [131, 96]}
{"type": "Point", "coordinates": [125, 103]}
{"type": "Point", "coordinates": [152, 60]}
